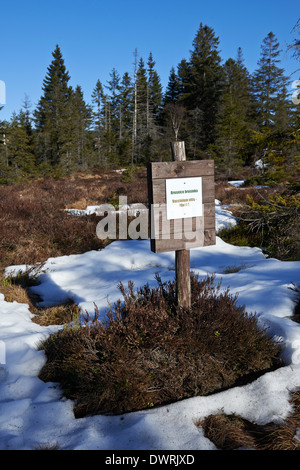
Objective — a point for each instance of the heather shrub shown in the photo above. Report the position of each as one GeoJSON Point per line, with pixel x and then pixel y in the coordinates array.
{"type": "Point", "coordinates": [147, 351]}
{"type": "Point", "coordinates": [34, 223]}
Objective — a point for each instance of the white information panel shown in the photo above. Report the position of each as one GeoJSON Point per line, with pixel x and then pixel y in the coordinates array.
{"type": "Point", "coordinates": [184, 197]}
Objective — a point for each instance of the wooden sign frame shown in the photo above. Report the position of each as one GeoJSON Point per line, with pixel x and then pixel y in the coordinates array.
{"type": "Point", "coordinates": [185, 233]}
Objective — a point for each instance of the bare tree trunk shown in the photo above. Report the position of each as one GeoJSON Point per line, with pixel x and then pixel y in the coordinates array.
{"type": "Point", "coordinates": [134, 129]}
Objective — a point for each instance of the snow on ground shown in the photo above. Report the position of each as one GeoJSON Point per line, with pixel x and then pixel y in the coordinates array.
{"type": "Point", "coordinates": [236, 183]}
{"type": "Point", "coordinates": [34, 413]}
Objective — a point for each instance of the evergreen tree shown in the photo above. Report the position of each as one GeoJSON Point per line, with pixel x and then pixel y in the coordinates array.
{"type": "Point", "coordinates": [234, 119]}
{"type": "Point", "coordinates": [27, 115]}
{"type": "Point", "coordinates": [296, 114]}
{"type": "Point", "coordinates": [149, 97]}
{"type": "Point", "coordinates": [270, 87]}
{"type": "Point", "coordinates": [125, 105]}
{"type": "Point", "coordinates": [143, 115]}
{"type": "Point", "coordinates": [172, 90]}
{"type": "Point", "coordinates": [112, 117]}
{"type": "Point", "coordinates": [155, 89]}
{"type": "Point", "coordinates": [79, 143]}
{"type": "Point", "coordinates": [4, 166]}
{"type": "Point", "coordinates": [19, 148]}
{"type": "Point", "coordinates": [126, 119]}
{"type": "Point", "coordinates": [51, 115]}
{"type": "Point", "coordinates": [154, 110]}
{"type": "Point", "coordinates": [113, 99]}
{"type": "Point", "coordinates": [97, 100]}
{"type": "Point", "coordinates": [295, 46]}
{"type": "Point", "coordinates": [274, 138]}
{"type": "Point", "coordinates": [184, 75]}
{"type": "Point", "coordinates": [203, 93]}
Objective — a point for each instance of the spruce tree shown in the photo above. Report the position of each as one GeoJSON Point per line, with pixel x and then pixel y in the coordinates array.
{"type": "Point", "coordinates": [79, 137]}
{"type": "Point", "coordinates": [234, 118]}
{"type": "Point", "coordinates": [270, 87]}
{"type": "Point", "coordinates": [19, 148]}
{"type": "Point", "coordinates": [154, 110]}
{"type": "Point", "coordinates": [97, 100]}
{"type": "Point", "coordinates": [113, 87]}
{"type": "Point", "coordinates": [113, 116]}
{"type": "Point", "coordinates": [4, 165]}
{"type": "Point", "coordinates": [155, 89]}
{"type": "Point", "coordinates": [274, 137]}
{"type": "Point", "coordinates": [51, 114]}
{"type": "Point", "coordinates": [126, 119]}
{"type": "Point", "coordinates": [172, 89]}
{"type": "Point", "coordinates": [142, 123]}
{"type": "Point", "coordinates": [295, 46]}
{"type": "Point", "coordinates": [126, 105]}
{"type": "Point", "coordinates": [203, 93]}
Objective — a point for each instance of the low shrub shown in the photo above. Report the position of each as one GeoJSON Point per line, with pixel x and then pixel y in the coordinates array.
{"type": "Point", "coordinates": [271, 223]}
{"type": "Point", "coordinates": [277, 219]}
{"type": "Point", "coordinates": [147, 351]}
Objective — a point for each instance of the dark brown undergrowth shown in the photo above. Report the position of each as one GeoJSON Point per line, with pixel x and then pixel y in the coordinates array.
{"type": "Point", "coordinates": [148, 351]}
{"type": "Point", "coordinates": [34, 223]}
{"type": "Point", "coordinates": [229, 432]}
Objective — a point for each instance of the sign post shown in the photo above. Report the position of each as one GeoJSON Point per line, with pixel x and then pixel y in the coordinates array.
{"type": "Point", "coordinates": [182, 257]}
{"type": "Point", "coordinates": [182, 211]}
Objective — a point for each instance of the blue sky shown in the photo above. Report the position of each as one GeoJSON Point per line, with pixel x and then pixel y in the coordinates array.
{"type": "Point", "coordinates": [96, 36]}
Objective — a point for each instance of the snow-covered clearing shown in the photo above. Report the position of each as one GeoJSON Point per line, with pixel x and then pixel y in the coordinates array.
{"type": "Point", "coordinates": [34, 413]}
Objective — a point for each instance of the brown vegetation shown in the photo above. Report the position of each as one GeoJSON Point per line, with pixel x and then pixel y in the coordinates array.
{"type": "Point", "coordinates": [229, 432]}
{"type": "Point", "coordinates": [148, 351]}
{"type": "Point", "coordinates": [34, 223]}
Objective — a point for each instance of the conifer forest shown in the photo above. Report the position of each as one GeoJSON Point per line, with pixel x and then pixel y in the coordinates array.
{"type": "Point", "coordinates": [216, 106]}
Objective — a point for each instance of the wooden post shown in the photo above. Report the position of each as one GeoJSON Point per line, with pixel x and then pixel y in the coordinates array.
{"type": "Point", "coordinates": [182, 257]}
{"type": "Point", "coordinates": [178, 151]}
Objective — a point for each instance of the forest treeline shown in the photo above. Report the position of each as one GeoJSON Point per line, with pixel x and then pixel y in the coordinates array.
{"type": "Point", "coordinates": [220, 110]}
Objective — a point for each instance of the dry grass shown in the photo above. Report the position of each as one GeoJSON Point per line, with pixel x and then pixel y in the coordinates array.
{"type": "Point", "coordinates": [17, 289]}
{"type": "Point", "coordinates": [238, 197]}
{"type": "Point", "coordinates": [13, 293]}
{"type": "Point", "coordinates": [229, 432]}
{"type": "Point", "coordinates": [58, 315]}
{"type": "Point", "coordinates": [34, 224]}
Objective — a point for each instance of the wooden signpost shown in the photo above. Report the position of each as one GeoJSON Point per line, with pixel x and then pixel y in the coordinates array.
{"type": "Point", "coordinates": [182, 211]}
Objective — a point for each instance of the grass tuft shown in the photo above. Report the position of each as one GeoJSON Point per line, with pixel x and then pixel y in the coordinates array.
{"type": "Point", "coordinates": [230, 432]}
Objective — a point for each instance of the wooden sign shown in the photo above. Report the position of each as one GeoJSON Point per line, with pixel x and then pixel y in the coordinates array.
{"type": "Point", "coordinates": [182, 205]}
{"type": "Point", "coordinates": [182, 212]}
